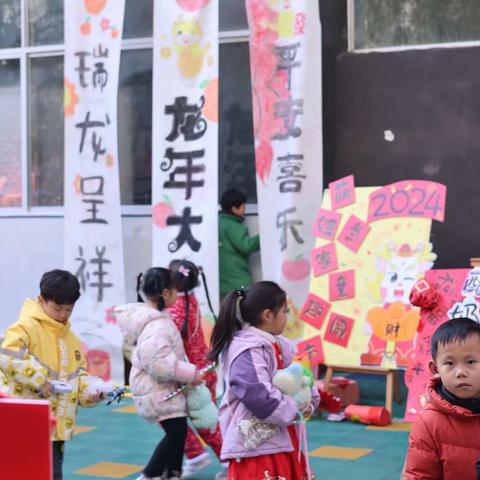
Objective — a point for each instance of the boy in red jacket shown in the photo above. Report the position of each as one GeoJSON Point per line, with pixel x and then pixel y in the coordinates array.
{"type": "Point", "coordinates": [445, 440]}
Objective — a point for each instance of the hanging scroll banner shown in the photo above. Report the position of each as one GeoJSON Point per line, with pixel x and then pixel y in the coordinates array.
{"type": "Point", "coordinates": [185, 139]}
{"type": "Point", "coordinates": [286, 72]}
{"type": "Point", "coordinates": [93, 230]}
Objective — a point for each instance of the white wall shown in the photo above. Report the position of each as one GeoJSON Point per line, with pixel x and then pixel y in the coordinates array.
{"type": "Point", "coordinates": [30, 246]}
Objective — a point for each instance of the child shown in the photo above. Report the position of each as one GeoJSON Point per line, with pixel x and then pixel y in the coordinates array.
{"type": "Point", "coordinates": [185, 313]}
{"type": "Point", "coordinates": [158, 366]}
{"type": "Point", "coordinates": [247, 336]}
{"type": "Point", "coordinates": [445, 440]}
{"type": "Point", "coordinates": [234, 242]}
{"type": "Point", "coordinates": [40, 347]}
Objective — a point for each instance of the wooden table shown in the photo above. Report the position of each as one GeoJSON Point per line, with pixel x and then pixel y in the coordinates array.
{"type": "Point", "coordinates": [392, 388]}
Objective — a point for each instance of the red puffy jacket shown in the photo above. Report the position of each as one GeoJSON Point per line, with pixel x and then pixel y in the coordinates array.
{"type": "Point", "coordinates": [444, 442]}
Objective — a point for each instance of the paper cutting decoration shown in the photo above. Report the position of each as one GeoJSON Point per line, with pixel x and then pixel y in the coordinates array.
{"type": "Point", "coordinates": [342, 192]}
{"type": "Point", "coordinates": [341, 285]}
{"type": "Point", "coordinates": [315, 311]}
{"type": "Point", "coordinates": [339, 329]}
{"type": "Point", "coordinates": [326, 224]}
{"type": "Point", "coordinates": [324, 259]}
{"type": "Point", "coordinates": [313, 349]}
{"type": "Point", "coordinates": [353, 233]}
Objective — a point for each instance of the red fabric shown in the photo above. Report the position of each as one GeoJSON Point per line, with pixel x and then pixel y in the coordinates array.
{"type": "Point", "coordinates": [444, 442]}
{"type": "Point", "coordinates": [197, 353]}
{"type": "Point", "coordinates": [277, 466]}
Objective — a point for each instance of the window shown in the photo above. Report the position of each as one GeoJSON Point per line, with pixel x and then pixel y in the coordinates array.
{"type": "Point", "coordinates": [31, 158]}
{"type": "Point", "coordinates": [386, 23]}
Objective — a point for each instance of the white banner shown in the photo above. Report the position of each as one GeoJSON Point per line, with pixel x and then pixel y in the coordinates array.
{"type": "Point", "coordinates": [285, 62]}
{"type": "Point", "coordinates": [93, 230]}
{"type": "Point", "coordinates": [185, 137]}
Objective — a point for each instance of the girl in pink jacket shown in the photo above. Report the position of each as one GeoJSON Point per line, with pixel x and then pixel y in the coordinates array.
{"type": "Point", "coordinates": [247, 337]}
{"type": "Point", "coordinates": [159, 367]}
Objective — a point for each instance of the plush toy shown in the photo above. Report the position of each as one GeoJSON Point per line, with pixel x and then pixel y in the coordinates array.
{"type": "Point", "coordinates": [295, 381]}
{"type": "Point", "coordinates": [202, 410]}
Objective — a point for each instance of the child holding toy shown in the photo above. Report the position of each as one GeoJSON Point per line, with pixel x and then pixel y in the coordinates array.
{"type": "Point", "coordinates": [41, 357]}
{"type": "Point", "coordinates": [159, 365]}
{"type": "Point", "coordinates": [247, 337]}
{"type": "Point", "coordinates": [185, 313]}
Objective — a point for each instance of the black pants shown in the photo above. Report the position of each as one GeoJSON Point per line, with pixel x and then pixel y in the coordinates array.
{"type": "Point", "coordinates": [57, 452]}
{"type": "Point", "coordinates": [168, 455]}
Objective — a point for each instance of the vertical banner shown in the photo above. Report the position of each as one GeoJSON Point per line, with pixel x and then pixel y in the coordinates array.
{"type": "Point", "coordinates": [185, 137]}
{"type": "Point", "coordinates": [93, 230]}
{"type": "Point", "coordinates": [286, 71]}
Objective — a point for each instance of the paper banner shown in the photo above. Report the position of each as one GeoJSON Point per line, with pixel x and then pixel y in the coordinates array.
{"type": "Point", "coordinates": [324, 259]}
{"type": "Point", "coordinates": [353, 233]}
{"type": "Point", "coordinates": [93, 230]}
{"type": "Point", "coordinates": [447, 284]}
{"type": "Point", "coordinates": [408, 198]}
{"type": "Point", "coordinates": [338, 330]}
{"type": "Point", "coordinates": [185, 137]}
{"type": "Point", "coordinates": [285, 60]}
{"type": "Point", "coordinates": [326, 224]}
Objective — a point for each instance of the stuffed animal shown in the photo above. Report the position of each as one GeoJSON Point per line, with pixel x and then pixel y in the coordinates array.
{"type": "Point", "coordinates": [295, 381]}
{"type": "Point", "coordinates": [203, 412]}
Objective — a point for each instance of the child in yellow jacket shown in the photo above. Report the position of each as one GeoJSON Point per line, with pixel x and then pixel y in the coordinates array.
{"type": "Point", "coordinates": [40, 348]}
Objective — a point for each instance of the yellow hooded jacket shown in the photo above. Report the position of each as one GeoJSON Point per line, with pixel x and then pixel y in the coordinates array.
{"type": "Point", "coordinates": [37, 349]}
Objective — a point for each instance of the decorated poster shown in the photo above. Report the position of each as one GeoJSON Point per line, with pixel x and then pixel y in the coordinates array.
{"type": "Point", "coordinates": [440, 297]}
{"type": "Point", "coordinates": [185, 139]}
{"type": "Point", "coordinates": [93, 231]}
{"type": "Point", "coordinates": [285, 60]}
{"type": "Point", "coordinates": [366, 269]}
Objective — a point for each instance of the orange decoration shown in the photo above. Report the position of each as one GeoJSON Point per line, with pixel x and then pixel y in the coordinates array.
{"type": "Point", "coordinates": [114, 33]}
{"type": "Point", "coordinates": [85, 28]}
{"type": "Point", "coordinates": [70, 98]}
{"type": "Point", "coordinates": [210, 109]}
{"type": "Point", "coordinates": [94, 6]}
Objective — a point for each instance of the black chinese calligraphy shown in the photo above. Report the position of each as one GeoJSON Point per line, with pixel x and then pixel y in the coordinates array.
{"type": "Point", "coordinates": [185, 233]}
{"type": "Point", "coordinates": [96, 139]}
{"type": "Point", "coordinates": [187, 119]}
{"type": "Point", "coordinates": [288, 225]}
{"type": "Point", "coordinates": [290, 178]}
{"type": "Point", "coordinates": [99, 71]}
{"type": "Point", "coordinates": [92, 186]}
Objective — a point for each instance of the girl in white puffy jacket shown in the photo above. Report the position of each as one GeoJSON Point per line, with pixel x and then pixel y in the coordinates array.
{"type": "Point", "coordinates": [159, 367]}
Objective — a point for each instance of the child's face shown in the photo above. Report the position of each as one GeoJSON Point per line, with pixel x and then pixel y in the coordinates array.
{"type": "Point", "coordinates": [275, 323]}
{"type": "Point", "coordinates": [60, 313]}
{"type": "Point", "coordinates": [458, 365]}
{"type": "Point", "coordinates": [239, 211]}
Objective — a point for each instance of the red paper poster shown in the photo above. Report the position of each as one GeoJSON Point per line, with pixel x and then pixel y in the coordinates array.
{"type": "Point", "coordinates": [324, 259]}
{"type": "Point", "coordinates": [342, 192]}
{"type": "Point", "coordinates": [339, 329]}
{"type": "Point", "coordinates": [313, 349]}
{"type": "Point", "coordinates": [326, 224]}
{"type": "Point", "coordinates": [341, 285]}
{"type": "Point", "coordinates": [408, 198]}
{"type": "Point", "coordinates": [439, 291]}
{"type": "Point", "coordinates": [353, 233]}
{"type": "Point", "coordinates": [315, 311]}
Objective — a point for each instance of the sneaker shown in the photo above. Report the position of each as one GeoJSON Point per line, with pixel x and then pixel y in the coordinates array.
{"type": "Point", "coordinates": [194, 465]}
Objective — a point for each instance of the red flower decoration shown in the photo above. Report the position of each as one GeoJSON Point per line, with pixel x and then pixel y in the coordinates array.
{"type": "Point", "coordinates": [105, 24]}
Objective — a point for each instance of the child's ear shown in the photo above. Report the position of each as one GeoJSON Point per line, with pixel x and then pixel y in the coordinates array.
{"type": "Point", "coordinates": [432, 366]}
{"type": "Point", "coordinates": [266, 315]}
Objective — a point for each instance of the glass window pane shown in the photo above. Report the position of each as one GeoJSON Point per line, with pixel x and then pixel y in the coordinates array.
{"type": "Point", "coordinates": [45, 100]}
{"type": "Point", "coordinates": [135, 127]}
{"type": "Point", "coordinates": [10, 23]}
{"type": "Point", "coordinates": [10, 144]}
{"type": "Point", "coordinates": [233, 15]}
{"type": "Point", "coordinates": [45, 22]}
{"type": "Point", "coordinates": [138, 19]}
{"type": "Point", "coordinates": [236, 150]}
{"type": "Point", "coordinates": [382, 23]}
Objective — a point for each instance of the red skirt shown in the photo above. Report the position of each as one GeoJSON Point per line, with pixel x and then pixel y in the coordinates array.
{"type": "Point", "coordinates": [277, 466]}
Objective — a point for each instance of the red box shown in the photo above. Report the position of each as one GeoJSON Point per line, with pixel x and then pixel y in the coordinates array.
{"type": "Point", "coordinates": [344, 388]}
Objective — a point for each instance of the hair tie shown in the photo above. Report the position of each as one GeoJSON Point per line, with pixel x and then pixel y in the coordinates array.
{"type": "Point", "coordinates": [184, 271]}
{"type": "Point", "coordinates": [240, 292]}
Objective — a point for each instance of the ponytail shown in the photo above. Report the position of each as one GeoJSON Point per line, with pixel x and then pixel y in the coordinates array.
{"type": "Point", "coordinates": [226, 325]}
{"type": "Point", "coordinates": [244, 307]}
{"type": "Point", "coordinates": [152, 284]}
{"type": "Point", "coordinates": [139, 286]}
{"type": "Point", "coordinates": [207, 294]}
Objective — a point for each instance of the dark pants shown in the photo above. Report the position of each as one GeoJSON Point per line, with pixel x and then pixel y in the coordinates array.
{"type": "Point", "coordinates": [57, 451]}
{"type": "Point", "coordinates": [168, 455]}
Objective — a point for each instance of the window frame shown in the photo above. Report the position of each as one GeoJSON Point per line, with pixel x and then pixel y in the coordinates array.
{"type": "Point", "coordinates": [24, 53]}
{"type": "Point", "coordinates": [395, 48]}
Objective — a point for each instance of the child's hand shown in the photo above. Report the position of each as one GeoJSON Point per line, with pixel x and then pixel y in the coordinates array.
{"type": "Point", "coordinates": [96, 397]}
{"type": "Point", "coordinates": [306, 408]}
{"type": "Point", "coordinates": [198, 377]}
{"type": "Point", "coordinates": [46, 391]}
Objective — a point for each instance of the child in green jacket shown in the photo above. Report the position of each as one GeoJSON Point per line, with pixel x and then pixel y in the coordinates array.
{"type": "Point", "coordinates": [235, 243]}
